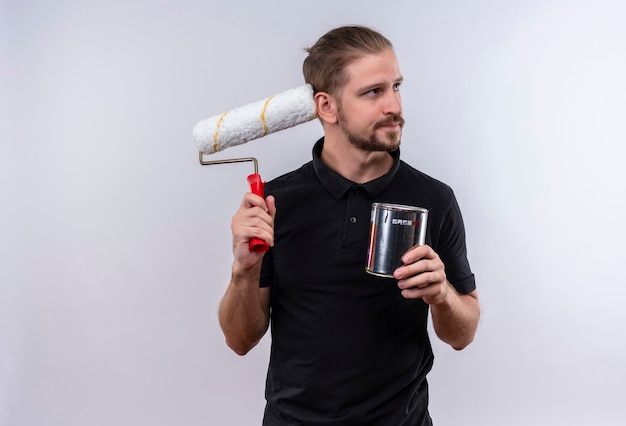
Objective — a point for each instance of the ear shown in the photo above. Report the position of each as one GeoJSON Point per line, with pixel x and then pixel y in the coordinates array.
{"type": "Point", "coordinates": [326, 107]}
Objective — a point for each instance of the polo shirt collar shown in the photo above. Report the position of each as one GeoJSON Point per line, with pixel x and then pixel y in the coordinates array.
{"type": "Point", "coordinates": [337, 185]}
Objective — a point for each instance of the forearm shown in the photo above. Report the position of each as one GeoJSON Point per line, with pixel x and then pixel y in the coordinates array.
{"type": "Point", "coordinates": [244, 311]}
{"type": "Point", "coordinates": [455, 320]}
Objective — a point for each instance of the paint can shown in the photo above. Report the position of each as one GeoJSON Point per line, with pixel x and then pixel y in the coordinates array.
{"type": "Point", "coordinates": [394, 229]}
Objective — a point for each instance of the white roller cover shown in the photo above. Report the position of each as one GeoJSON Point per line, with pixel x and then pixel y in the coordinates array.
{"type": "Point", "coordinates": [255, 120]}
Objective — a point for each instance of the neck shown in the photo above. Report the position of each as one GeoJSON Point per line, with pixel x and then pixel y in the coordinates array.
{"type": "Point", "coordinates": [355, 164]}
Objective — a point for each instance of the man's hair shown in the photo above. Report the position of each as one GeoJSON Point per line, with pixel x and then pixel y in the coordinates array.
{"type": "Point", "coordinates": [325, 66]}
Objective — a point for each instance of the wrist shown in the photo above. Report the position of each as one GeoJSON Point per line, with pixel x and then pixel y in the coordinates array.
{"type": "Point", "coordinates": [445, 299]}
{"type": "Point", "coordinates": [242, 273]}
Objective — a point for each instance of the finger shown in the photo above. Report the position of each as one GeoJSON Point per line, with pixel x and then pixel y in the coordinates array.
{"type": "Point", "coordinates": [422, 280]}
{"type": "Point", "coordinates": [412, 293]}
{"type": "Point", "coordinates": [253, 200]}
{"type": "Point", "coordinates": [416, 253]}
{"type": "Point", "coordinates": [255, 206]}
{"type": "Point", "coordinates": [260, 227]}
{"type": "Point", "coordinates": [428, 294]}
{"type": "Point", "coordinates": [252, 222]}
{"type": "Point", "coordinates": [270, 202]}
{"type": "Point", "coordinates": [417, 292]}
{"type": "Point", "coordinates": [417, 268]}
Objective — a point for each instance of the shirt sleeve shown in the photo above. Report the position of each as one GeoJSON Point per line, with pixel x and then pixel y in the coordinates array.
{"type": "Point", "coordinates": [453, 251]}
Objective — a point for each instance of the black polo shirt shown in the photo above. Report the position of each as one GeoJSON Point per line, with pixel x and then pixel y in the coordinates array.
{"type": "Point", "coordinates": [347, 348]}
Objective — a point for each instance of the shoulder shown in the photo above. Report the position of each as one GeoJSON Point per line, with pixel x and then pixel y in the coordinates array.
{"type": "Point", "coordinates": [423, 182]}
{"type": "Point", "coordinates": [295, 180]}
{"type": "Point", "coordinates": [298, 174]}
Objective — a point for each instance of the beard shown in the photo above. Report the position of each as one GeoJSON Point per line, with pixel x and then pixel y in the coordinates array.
{"type": "Point", "coordinates": [370, 141]}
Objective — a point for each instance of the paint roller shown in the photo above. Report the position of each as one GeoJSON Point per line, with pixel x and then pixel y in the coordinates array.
{"type": "Point", "coordinates": [254, 121]}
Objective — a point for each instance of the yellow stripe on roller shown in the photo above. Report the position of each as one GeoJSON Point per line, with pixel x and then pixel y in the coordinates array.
{"type": "Point", "coordinates": [217, 132]}
{"type": "Point", "coordinates": [265, 128]}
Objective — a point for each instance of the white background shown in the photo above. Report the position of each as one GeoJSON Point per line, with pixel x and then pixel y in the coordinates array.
{"type": "Point", "coordinates": [115, 242]}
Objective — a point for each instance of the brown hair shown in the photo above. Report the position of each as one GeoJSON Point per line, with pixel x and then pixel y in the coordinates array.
{"type": "Point", "coordinates": [324, 67]}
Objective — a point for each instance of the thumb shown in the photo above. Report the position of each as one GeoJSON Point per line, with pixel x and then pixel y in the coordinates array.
{"type": "Point", "coordinates": [270, 202]}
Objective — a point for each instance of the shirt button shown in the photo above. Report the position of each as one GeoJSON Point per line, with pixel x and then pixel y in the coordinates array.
{"type": "Point", "coordinates": [353, 219]}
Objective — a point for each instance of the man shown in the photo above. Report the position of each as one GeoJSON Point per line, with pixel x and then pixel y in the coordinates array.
{"type": "Point", "coordinates": [348, 348]}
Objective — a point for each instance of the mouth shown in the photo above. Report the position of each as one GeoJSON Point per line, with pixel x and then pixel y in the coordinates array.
{"type": "Point", "coordinates": [392, 123]}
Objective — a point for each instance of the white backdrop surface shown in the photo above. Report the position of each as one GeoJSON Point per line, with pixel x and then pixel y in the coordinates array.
{"type": "Point", "coordinates": [115, 242]}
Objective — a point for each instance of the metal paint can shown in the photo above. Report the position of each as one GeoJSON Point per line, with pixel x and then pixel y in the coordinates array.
{"type": "Point", "coordinates": [394, 229]}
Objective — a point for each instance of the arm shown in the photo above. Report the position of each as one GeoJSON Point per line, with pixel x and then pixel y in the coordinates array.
{"type": "Point", "coordinates": [244, 309]}
{"type": "Point", "coordinates": [456, 319]}
{"type": "Point", "coordinates": [455, 316]}
{"type": "Point", "coordinates": [244, 314]}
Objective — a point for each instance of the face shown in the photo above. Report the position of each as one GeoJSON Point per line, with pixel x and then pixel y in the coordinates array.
{"type": "Point", "coordinates": [369, 107]}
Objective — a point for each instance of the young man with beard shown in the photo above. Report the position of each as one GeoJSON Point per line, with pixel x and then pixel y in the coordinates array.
{"type": "Point", "coordinates": [348, 348]}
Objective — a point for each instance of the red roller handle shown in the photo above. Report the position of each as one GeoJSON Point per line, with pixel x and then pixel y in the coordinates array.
{"type": "Point", "coordinates": [257, 186]}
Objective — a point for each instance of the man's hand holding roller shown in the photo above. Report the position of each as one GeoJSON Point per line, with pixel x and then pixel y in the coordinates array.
{"type": "Point", "coordinates": [244, 311]}
{"type": "Point", "coordinates": [255, 218]}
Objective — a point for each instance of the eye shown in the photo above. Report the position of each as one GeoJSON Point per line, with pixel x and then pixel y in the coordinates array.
{"type": "Point", "coordinates": [396, 87]}
{"type": "Point", "coordinates": [372, 92]}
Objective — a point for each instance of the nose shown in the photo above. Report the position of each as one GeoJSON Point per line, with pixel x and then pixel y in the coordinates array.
{"type": "Point", "coordinates": [393, 103]}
